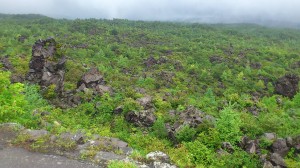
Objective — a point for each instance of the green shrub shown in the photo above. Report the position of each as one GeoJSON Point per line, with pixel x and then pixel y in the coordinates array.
{"type": "Point", "coordinates": [228, 125]}
{"type": "Point", "coordinates": [200, 154]}
{"type": "Point", "coordinates": [121, 164]}
{"type": "Point", "coordinates": [159, 129]}
{"type": "Point", "coordinates": [12, 100]}
{"type": "Point", "coordinates": [186, 134]}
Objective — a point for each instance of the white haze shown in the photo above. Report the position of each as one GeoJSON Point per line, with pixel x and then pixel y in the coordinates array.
{"type": "Point", "coordinates": [211, 11]}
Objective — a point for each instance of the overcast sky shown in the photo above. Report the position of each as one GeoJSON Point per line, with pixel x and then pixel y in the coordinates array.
{"type": "Point", "coordinates": [203, 10]}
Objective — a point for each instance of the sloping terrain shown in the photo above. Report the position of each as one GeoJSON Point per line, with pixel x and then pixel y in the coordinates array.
{"type": "Point", "coordinates": [207, 95]}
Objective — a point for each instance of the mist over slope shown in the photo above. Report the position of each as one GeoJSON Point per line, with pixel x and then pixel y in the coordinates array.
{"type": "Point", "coordinates": [266, 12]}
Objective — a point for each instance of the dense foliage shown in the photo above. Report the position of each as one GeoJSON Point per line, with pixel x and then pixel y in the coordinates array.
{"type": "Point", "coordinates": [224, 70]}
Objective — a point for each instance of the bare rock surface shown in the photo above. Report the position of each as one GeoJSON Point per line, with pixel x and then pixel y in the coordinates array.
{"type": "Point", "coordinates": [46, 67]}
{"type": "Point", "coordinates": [287, 85]}
{"type": "Point", "coordinates": [21, 158]}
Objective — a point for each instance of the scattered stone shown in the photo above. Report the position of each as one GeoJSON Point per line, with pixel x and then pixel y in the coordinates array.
{"type": "Point", "coordinates": [118, 110]}
{"type": "Point", "coordinates": [191, 117]}
{"type": "Point", "coordinates": [227, 147]}
{"type": "Point", "coordinates": [251, 147]}
{"type": "Point", "coordinates": [91, 79]}
{"type": "Point", "coordinates": [255, 65]}
{"type": "Point", "coordinates": [280, 147]}
{"type": "Point", "coordinates": [268, 164]}
{"type": "Point", "coordinates": [215, 59]}
{"type": "Point", "coordinates": [143, 118]}
{"type": "Point", "coordinates": [289, 141]}
{"type": "Point", "coordinates": [287, 85]}
{"type": "Point", "coordinates": [145, 102]}
{"type": "Point", "coordinates": [158, 156]}
{"type": "Point", "coordinates": [269, 136]}
{"type": "Point", "coordinates": [277, 160]}
{"type": "Point", "coordinates": [7, 66]}
{"type": "Point", "coordinates": [101, 89]}
{"type": "Point", "coordinates": [22, 38]}
{"type": "Point", "coordinates": [162, 165]}
{"type": "Point", "coordinates": [149, 62]}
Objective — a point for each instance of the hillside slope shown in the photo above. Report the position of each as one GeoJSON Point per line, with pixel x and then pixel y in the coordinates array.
{"type": "Point", "coordinates": [200, 93]}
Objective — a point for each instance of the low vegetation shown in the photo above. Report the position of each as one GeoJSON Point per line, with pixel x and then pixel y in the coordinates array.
{"type": "Point", "coordinates": [229, 72]}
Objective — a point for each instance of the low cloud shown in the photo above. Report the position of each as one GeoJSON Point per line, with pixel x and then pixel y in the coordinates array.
{"type": "Point", "coordinates": [212, 11]}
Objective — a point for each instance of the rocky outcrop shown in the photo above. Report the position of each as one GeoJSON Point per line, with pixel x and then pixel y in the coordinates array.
{"type": "Point", "coordinates": [280, 147]}
{"type": "Point", "coordinates": [250, 146]}
{"type": "Point", "coordinates": [287, 85]}
{"type": "Point", "coordinates": [93, 80]}
{"type": "Point", "coordinates": [159, 159]}
{"type": "Point", "coordinates": [46, 67]}
{"type": "Point", "coordinates": [277, 148]}
{"type": "Point", "coordinates": [6, 64]}
{"type": "Point", "coordinates": [144, 117]}
{"type": "Point", "coordinates": [191, 117]}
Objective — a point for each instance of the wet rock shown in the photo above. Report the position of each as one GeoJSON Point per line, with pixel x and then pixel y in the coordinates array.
{"type": "Point", "coordinates": [158, 156]}
{"type": "Point", "coordinates": [143, 118]}
{"type": "Point", "coordinates": [104, 157]}
{"type": "Point", "coordinates": [287, 85]}
{"type": "Point", "coordinates": [6, 64]}
{"type": "Point", "coordinates": [280, 147]}
{"type": "Point", "coordinates": [46, 66]}
{"type": "Point", "coordinates": [277, 160]}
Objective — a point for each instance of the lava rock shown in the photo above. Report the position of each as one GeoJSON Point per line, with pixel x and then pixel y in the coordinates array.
{"type": "Point", "coordinates": [280, 147]}
{"type": "Point", "coordinates": [287, 85]}
{"type": "Point", "coordinates": [277, 160]}
{"type": "Point", "coordinates": [158, 156]}
{"type": "Point", "coordinates": [143, 118]}
{"type": "Point", "coordinates": [46, 67]}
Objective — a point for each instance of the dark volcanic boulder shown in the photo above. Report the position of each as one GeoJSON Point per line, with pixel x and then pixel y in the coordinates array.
{"type": "Point", "coordinates": [91, 79]}
{"type": "Point", "coordinates": [7, 66]}
{"type": "Point", "coordinates": [280, 147]}
{"type": "Point", "coordinates": [149, 62]}
{"type": "Point", "coordinates": [46, 67]}
{"type": "Point", "coordinates": [191, 117]}
{"type": "Point", "coordinates": [144, 118]}
{"type": "Point", "coordinates": [287, 85]}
